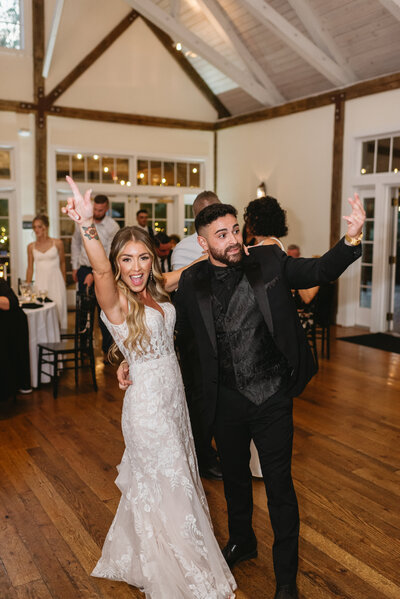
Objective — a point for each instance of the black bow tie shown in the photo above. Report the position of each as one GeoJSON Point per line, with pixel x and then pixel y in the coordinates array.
{"type": "Point", "coordinates": [223, 274]}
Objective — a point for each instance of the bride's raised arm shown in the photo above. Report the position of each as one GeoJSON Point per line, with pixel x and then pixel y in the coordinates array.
{"type": "Point", "coordinates": [80, 209]}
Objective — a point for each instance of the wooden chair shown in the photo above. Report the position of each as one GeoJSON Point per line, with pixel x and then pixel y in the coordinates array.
{"type": "Point", "coordinates": [70, 353]}
{"type": "Point", "coordinates": [323, 316]}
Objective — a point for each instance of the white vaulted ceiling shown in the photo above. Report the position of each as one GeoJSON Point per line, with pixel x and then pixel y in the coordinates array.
{"type": "Point", "coordinates": [258, 53]}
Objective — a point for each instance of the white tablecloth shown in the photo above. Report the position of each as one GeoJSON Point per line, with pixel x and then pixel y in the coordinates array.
{"type": "Point", "coordinates": [43, 326]}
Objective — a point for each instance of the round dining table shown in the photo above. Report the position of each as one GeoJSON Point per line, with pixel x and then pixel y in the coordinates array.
{"type": "Point", "coordinates": [43, 326]}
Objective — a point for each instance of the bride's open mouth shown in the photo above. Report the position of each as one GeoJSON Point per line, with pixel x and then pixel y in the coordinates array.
{"type": "Point", "coordinates": [136, 280]}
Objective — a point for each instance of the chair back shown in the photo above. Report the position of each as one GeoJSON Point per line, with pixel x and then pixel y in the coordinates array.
{"type": "Point", "coordinates": [84, 321]}
{"type": "Point", "coordinates": [324, 304]}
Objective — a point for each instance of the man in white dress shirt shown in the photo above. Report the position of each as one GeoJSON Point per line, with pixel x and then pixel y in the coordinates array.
{"type": "Point", "coordinates": [81, 269]}
{"type": "Point", "coordinates": [188, 250]}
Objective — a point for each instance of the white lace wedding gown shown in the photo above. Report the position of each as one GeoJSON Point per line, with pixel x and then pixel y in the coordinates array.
{"type": "Point", "coordinates": [161, 539]}
{"type": "Point", "coordinates": [48, 276]}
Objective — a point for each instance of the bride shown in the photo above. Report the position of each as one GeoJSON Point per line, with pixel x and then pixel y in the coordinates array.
{"type": "Point", "coordinates": [161, 539]}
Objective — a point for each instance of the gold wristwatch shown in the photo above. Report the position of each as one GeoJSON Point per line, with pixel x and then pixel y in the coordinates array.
{"type": "Point", "coordinates": [354, 240]}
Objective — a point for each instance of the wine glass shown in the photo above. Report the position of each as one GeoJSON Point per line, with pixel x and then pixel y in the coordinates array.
{"type": "Point", "coordinates": [42, 294]}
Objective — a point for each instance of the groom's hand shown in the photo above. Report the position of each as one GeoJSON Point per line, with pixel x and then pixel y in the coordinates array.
{"type": "Point", "coordinates": [123, 376]}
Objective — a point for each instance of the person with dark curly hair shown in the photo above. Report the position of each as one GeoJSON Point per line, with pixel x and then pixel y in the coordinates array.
{"type": "Point", "coordinates": [266, 221]}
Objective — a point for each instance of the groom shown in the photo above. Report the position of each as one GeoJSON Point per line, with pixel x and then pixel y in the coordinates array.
{"type": "Point", "coordinates": [240, 311]}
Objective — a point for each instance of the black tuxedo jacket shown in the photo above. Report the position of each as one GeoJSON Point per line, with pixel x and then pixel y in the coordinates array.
{"type": "Point", "coordinates": [272, 275]}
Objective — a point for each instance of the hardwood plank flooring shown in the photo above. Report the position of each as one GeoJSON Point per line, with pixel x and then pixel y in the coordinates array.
{"type": "Point", "coordinates": [57, 494]}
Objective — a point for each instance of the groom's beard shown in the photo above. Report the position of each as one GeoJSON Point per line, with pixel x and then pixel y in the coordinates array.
{"type": "Point", "coordinates": [225, 258]}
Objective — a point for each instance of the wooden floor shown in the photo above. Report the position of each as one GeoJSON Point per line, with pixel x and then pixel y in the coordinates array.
{"type": "Point", "coordinates": [57, 495]}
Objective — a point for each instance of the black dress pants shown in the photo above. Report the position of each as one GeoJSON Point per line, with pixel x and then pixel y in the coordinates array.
{"type": "Point", "coordinates": [270, 425]}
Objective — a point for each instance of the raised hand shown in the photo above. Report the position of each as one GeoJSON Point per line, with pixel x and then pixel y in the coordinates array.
{"type": "Point", "coordinates": [79, 208]}
{"type": "Point", "coordinates": [356, 219]}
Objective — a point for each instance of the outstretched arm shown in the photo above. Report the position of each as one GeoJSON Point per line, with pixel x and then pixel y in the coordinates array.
{"type": "Point", "coordinates": [79, 208]}
{"type": "Point", "coordinates": [302, 273]}
{"type": "Point", "coordinates": [171, 279]}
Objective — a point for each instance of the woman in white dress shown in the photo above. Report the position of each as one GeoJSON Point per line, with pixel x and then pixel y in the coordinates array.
{"type": "Point", "coordinates": [161, 539]}
{"type": "Point", "coordinates": [46, 256]}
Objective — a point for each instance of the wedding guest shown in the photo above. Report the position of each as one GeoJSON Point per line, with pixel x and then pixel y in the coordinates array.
{"type": "Point", "coordinates": [14, 349]}
{"type": "Point", "coordinates": [266, 221]}
{"type": "Point", "coordinates": [293, 250]}
{"type": "Point", "coordinates": [163, 250]}
{"type": "Point", "coordinates": [141, 219]}
{"type": "Point", "coordinates": [175, 239]}
{"type": "Point", "coordinates": [46, 257]}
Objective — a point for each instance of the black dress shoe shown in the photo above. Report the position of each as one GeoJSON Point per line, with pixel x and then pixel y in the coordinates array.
{"type": "Point", "coordinates": [234, 554]}
{"type": "Point", "coordinates": [212, 472]}
{"type": "Point", "coordinates": [287, 591]}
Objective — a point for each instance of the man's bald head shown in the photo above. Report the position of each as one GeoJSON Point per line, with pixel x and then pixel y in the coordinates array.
{"type": "Point", "coordinates": [204, 199]}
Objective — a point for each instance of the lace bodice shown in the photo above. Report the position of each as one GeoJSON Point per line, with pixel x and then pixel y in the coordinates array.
{"type": "Point", "coordinates": [161, 330]}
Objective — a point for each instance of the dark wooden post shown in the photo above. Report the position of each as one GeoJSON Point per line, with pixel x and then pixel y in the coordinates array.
{"type": "Point", "coordinates": [40, 117]}
{"type": "Point", "coordinates": [337, 169]}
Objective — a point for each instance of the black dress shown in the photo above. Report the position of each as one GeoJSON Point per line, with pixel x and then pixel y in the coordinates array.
{"type": "Point", "coordinates": [14, 346]}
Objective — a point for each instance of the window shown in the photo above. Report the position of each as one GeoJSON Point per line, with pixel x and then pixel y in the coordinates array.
{"type": "Point", "coordinates": [10, 24]}
{"type": "Point", "coordinates": [167, 173]}
{"type": "Point", "coordinates": [5, 267]}
{"type": "Point", "coordinates": [380, 156]}
{"type": "Point", "coordinates": [5, 164]}
{"type": "Point", "coordinates": [157, 211]}
{"type": "Point", "coordinates": [93, 168]}
{"type": "Point", "coordinates": [367, 254]}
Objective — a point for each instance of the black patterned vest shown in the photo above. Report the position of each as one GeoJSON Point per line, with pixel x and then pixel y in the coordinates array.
{"type": "Point", "coordinates": [248, 357]}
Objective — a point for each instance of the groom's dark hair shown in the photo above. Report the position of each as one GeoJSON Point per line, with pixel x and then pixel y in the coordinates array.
{"type": "Point", "coordinates": [209, 214]}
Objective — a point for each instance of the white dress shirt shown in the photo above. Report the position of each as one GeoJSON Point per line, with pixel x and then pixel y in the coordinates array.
{"type": "Point", "coordinates": [186, 252]}
{"type": "Point", "coordinates": [106, 230]}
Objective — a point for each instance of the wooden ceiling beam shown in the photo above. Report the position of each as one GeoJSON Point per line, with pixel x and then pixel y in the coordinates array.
{"type": "Point", "coordinates": [164, 21]}
{"type": "Point", "coordinates": [90, 58]}
{"type": "Point", "coordinates": [298, 42]}
{"type": "Point", "coordinates": [226, 29]}
{"type": "Point", "coordinates": [357, 90]}
{"type": "Point", "coordinates": [321, 36]}
{"type": "Point", "coordinates": [128, 119]}
{"type": "Point", "coordinates": [52, 37]}
{"type": "Point", "coordinates": [393, 6]}
{"type": "Point", "coordinates": [190, 71]}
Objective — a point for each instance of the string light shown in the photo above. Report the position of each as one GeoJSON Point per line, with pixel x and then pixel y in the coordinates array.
{"type": "Point", "coordinates": [178, 46]}
{"type": "Point", "coordinates": [79, 156]}
{"type": "Point", "coordinates": [95, 156]}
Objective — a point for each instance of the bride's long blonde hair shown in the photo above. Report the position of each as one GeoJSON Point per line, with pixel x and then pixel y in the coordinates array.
{"type": "Point", "coordinates": [139, 336]}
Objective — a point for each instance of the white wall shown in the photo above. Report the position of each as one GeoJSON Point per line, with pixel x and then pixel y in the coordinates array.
{"type": "Point", "coordinates": [293, 156]}
{"type": "Point", "coordinates": [370, 116]}
{"type": "Point", "coordinates": [137, 75]}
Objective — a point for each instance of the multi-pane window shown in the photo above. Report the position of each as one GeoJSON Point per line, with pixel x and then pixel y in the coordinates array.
{"type": "Point", "coordinates": [67, 228]}
{"type": "Point", "coordinates": [380, 155]}
{"type": "Point", "coordinates": [10, 24]}
{"type": "Point", "coordinates": [367, 254]}
{"type": "Point", "coordinates": [93, 168]}
{"type": "Point", "coordinates": [157, 212]}
{"type": "Point", "coordinates": [168, 173]}
{"type": "Point", "coordinates": [5, 164]}
{"type": "Point", "coordinates": [189, 220]}
{"type": "Point", "coordinates": [5, 267]}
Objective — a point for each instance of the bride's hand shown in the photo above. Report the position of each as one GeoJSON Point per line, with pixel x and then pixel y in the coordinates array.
{"type": "Point", "coordinates": [79, 208]}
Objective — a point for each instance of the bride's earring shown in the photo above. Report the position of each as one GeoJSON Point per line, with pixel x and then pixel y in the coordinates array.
{"type": "Point", "coordinates": [151, 275]}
